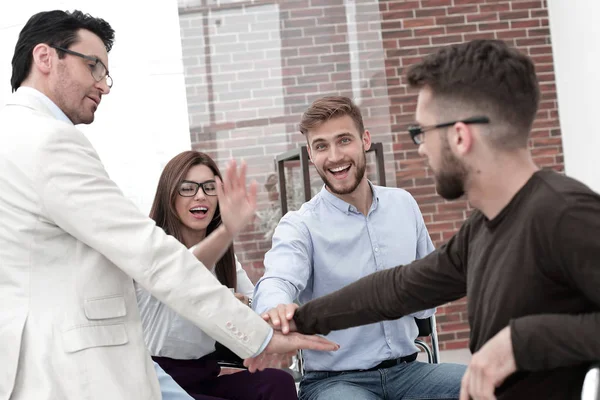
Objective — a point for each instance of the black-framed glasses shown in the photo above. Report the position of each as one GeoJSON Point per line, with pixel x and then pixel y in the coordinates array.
{"type": "Point", "coordinates": [417, 133]}
{"type": "Point", "coordinates": [190, 188]}
{"type": "Point", "coordinates": [98, 69]}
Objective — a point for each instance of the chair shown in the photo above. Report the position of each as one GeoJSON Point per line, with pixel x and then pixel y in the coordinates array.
{"type": "Point", "coordinates": [427, 327]}
{"type": "Point", "coordinates": [591, 384]}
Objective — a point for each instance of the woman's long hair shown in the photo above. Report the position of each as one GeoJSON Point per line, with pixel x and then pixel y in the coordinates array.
{"type": "Point", "coordinates": [164, 214]}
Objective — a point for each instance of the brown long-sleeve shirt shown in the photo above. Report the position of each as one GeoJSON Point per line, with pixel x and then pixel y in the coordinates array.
{"type": "Point", "coordinates": [535, 267]}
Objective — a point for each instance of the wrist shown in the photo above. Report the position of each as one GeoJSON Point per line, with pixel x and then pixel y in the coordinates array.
{"type": "Point", "coordinates": [226, 233]}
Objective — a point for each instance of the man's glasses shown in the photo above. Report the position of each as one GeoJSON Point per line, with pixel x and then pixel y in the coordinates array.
{"type": "Point", "coordinates": [98, 69]}
{"type": "Point", "coordinates": [417, 133]}
{"type": "Point", "coordinates": [190, 188]}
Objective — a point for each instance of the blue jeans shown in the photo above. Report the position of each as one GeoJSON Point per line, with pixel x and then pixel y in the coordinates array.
{"type": "Point", "coordinates": [406, 381]}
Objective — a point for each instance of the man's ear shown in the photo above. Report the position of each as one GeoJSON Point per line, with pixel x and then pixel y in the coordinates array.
{"type": "Point", "coordinates": [308, 151]}
{"type": "Point", "coordinates": [461, 138]}
{"type": "Point", "coordinates": [366, 139]}
{"type": "Point", "coordinates": [42, 58]}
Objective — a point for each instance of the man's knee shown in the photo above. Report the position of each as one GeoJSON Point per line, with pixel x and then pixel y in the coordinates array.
{"type": "Point", "coordinates": [336, 391]}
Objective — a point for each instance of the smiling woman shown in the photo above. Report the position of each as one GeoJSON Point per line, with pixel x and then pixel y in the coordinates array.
{"type": "Point", "coordinates": [187, 207]}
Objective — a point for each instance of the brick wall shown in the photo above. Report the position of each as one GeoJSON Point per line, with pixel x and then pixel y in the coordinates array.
{"type": "Point", "coordinates": [252, 68]}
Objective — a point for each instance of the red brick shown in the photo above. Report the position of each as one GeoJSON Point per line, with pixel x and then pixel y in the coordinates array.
{"type": "Point", "coordinates": [453, 20]}
{"type": "Point", "coordinates": [417, 22]}
{"type": "Point", "coordinates": [518, 5]}
{"type": "Point", "coordinates": [481, 17]}
{"type": "Point", "coordinates": [430, 12]}
{"type": "Point", "coordinates": [435, 3]}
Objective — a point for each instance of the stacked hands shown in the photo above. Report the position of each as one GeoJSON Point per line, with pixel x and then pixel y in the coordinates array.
{"type": "Point", "coordinates": [489, 367]}
{"type": "Point", "coordinates": [237, 205]}
{"type": "Point", "coordinates": [281, 319]}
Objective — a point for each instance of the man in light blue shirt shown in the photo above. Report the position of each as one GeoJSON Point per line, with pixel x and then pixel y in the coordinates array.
{"type": "Point", "coordinates": [350, 229]}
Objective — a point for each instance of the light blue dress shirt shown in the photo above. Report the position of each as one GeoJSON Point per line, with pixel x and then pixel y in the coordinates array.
{"type": "Point", "coordinates": [328, 244]}
{"type": "Point", "coordinates": [170, 390]}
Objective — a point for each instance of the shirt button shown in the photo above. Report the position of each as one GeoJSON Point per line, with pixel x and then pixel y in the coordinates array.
{"type": "Point", "coordinates": [376, 249]}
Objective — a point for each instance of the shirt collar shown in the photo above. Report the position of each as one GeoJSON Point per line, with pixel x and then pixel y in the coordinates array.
{"type": "Point", "coordinates": [345, 207]}
{"type": "Point", "coordinates": [54, 109]}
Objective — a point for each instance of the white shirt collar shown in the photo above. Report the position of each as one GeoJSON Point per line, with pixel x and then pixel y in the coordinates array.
{"type": "Point", "coordinates": [56, 111]}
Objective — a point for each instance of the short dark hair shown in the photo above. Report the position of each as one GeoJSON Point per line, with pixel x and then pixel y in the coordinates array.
{"type": "Point", "coordinates": [55, 28]}
{"type": "Point", "coordinates": [326, 108]}
{"type": "Point", "coordinates": [487, 76]}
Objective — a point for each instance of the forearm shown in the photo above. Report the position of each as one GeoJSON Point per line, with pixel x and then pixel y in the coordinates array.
{"type": "Point", "coordinates": [212, 248]}
{"type": "Point", "coordinates": [549, 341]}
{"type": "Point", "coordinates": [271, 292]}
{"type": "Point", "coordinates": [385, 295]}
{"type": "Point", "coordinates": [365, 301]}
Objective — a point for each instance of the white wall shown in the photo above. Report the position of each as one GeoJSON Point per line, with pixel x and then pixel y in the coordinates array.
{"type": "Point", "coordinates": [575, 34]}
{"type": "Point", "coordinates": [143, 122]}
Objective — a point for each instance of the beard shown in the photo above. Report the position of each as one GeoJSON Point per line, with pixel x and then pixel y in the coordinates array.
{"type": "Point", "coordinates": [361, 167]}
{"type": "Point", "coordinates": [451, 176]}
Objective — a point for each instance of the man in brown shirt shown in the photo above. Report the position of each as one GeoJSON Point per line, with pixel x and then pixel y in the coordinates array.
{"type": "Point", "coordinates": [527, 258]}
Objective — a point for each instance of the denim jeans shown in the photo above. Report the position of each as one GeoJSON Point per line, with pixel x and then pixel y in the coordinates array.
{"type": "Point", "coordinates": [405, 381]}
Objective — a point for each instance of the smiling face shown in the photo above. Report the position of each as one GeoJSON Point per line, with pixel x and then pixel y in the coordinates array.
{"type": "Point", "coordinates": [195, 212]}
{"type": "Point", "coordinates": [71, 85]}
{"type": "Point", "coordinates": [337, 151]}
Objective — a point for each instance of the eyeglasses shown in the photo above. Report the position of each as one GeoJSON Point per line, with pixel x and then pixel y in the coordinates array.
{"type": "Point", "coordinates": [417, 133]}
{"type": "Point", "coordinates": [98, 69]}
{"type": "Point", "coordinates": [190, 188]}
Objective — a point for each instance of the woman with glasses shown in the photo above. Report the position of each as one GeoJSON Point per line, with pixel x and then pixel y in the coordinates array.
{"type": "Point", "coordinates": [186, 206]}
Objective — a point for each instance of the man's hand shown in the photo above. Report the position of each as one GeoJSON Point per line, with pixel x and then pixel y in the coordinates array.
{"type": "Point", "coordinates": [489, 367]}
{"type": "Point", "coordinates": [281, 317]}
{"type": "Point", "coordinates": [281, 347]}
{"type": "Point", "coordinates": [236, 205]}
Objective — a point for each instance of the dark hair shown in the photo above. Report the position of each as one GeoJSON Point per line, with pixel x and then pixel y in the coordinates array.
{"type": "Point", "coordinates": [325, 108]}
{"type": "Point", "coordinates": [164, 214]}
{"type": "Point", "coordinates": [487, 76]}
{"type": "Point", "coordinates": [55, 28]}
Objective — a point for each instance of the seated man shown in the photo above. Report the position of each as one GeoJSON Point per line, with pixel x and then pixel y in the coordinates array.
{"type": "Point", "coordinates": [351, 229]}
{"type": "Point", "coordinates": [527, 257]}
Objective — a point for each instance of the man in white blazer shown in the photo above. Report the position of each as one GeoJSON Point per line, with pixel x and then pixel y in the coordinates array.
{"type": "Point", "coordinates": [70, 242]}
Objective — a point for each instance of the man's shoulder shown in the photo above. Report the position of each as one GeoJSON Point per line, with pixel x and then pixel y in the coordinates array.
{"type": "Point", "coordinates": [395, 197]}
{"type": "Point", "coordinates": [24, 122]}
{"type": "Point", "coordinates": [307, 210]}
{"type": "Point", "coordinates": [556, 192]}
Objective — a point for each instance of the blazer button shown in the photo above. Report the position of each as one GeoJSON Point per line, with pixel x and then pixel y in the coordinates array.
{"type": "Point", "coordinates": [245, 339]}
{"type": "Point", "coordinates": [229, 325]}
{"type": "Point", "coordinates": [235, 330]}
{"type": "Point", "coordinates": [240, 335]}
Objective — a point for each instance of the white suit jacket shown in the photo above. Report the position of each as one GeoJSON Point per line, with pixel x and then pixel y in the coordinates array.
{"type": "Point", "coordinates": [70, 244]}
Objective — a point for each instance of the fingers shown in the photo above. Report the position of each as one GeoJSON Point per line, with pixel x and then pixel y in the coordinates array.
{"type": "Point", "coordinates": [280, 316]}
{"type": "Point", "coordinates": [252, 194]}
{"type": "Point", "coordinates": [477, 383]}
{"type": "Point", "coordinates": [241, 179]}
{"type": "Point", "coordinates": [464, 387]}
{"type": "Point", "coordinates": [230, 182]}
{"type": "Point", "coordinates": [265, 361]}
{"type": "Point", "coordinates": [313, 342]}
